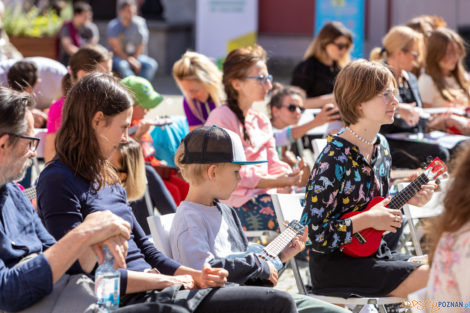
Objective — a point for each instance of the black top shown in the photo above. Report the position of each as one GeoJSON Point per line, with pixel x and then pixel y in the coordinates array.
{"type": "Point", "coordinates": [315, 77]}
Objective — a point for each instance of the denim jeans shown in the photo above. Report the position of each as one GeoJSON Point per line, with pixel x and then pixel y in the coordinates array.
{"type": "Point", "coordinates": [148, 70]}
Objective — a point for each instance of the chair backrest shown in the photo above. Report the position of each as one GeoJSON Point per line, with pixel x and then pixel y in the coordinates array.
{"type": "Point", "coordinates": [41, 134]}
{"type": "Point", "coordinates": [160, 226]}
{"type": "Point", "coordinates": [318, 144]}
{"type": "Point", "coordinates": [287, 207]}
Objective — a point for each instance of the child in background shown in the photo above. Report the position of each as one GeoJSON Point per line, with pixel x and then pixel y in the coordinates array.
{"type": "Point", "coordinates": [286, 107]}
{"type": "Point", "coordinates": [450, 237]}
{"type": "Point", "coordinates": [23, 76]}
{"type": "Point", "coordinates": [206, 230]}
{"type": "Point", "coordinates": [201, 83]}
{"type": "Point", "coordinates": [145, 99]}
{"type": "Point", "coordinates": [135, 176]}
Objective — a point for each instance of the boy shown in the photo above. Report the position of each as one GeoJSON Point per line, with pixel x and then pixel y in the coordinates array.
{"type": "Point", "coordinates": [205, 230]}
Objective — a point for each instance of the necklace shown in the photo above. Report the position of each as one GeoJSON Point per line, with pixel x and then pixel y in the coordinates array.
{"type": "Point", "coordinates": [370, 143]}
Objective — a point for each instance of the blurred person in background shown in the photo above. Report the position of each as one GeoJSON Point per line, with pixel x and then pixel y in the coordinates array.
{"type": "Point", "coordinates": [77, 32]}
{"type": "Point", "coordinates": [324, 58]}
{"type": "Point", "coordinates": [400, 52]}
{"type": "Point", "coordinates": [128, 36]}
{"type": "Point", "coordinates": [200, 80]}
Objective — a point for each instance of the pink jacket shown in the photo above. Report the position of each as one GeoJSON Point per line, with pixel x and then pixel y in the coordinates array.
{"type": "Point", "coordinates": [262, 147]}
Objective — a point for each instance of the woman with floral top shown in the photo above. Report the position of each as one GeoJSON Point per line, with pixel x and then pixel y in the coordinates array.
{"type": "Point", "coordinates": [353, 168]}
{"type": "Point", "coordinates": [450, 236]}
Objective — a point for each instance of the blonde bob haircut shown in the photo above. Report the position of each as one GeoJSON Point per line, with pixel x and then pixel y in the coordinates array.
{"type": "Point", "coordinates": [195, 173]}
{"type": "Point", "coordinates": [398, 38]}
{"type": "Point", "coordinates": [359, 82]}
{"type": "Point", "coordinates": [327, 35]}
{"type": "Point", "coordinates": [132, 163]}
{"type": "Point", "coordinates": [198, 67]}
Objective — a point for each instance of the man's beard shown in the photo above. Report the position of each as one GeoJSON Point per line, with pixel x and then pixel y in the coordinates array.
{"type": "Point", "coordinates": [19, 176]}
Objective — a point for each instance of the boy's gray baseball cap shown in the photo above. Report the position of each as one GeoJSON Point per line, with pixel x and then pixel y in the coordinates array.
{"type": "Point", "coordinates": [212, 144]}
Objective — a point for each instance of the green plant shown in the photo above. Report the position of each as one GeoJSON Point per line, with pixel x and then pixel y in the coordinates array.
{"type": "Point", "coordinates": [33, 23]}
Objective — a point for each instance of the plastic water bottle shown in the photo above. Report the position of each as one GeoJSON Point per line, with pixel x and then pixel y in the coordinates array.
{"type": "Point", "coordinates": [107, 281]}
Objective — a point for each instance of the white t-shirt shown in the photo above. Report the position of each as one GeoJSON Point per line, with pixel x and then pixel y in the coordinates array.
{"type": "Point", "coordinates": [431, 95]}
{"type": "Point", "coordinates": [50, 73]}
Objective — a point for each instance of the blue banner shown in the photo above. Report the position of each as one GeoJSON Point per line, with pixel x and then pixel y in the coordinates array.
{"type": "Point", "coordinates": [350, 13]}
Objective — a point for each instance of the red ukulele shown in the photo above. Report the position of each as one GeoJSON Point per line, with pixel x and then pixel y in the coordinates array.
{"type": "Point", "coordinates": [367, 241]}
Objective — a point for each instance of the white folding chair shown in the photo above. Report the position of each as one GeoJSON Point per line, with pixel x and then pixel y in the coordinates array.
{"type": "Point", "coordinates": [415, 215]}
{"type": "Point", "coordinates": [160, 226]}
{"type": "Point", "coordinates": [288, 207]}
{"type": "Point", "coordinates": [41, 134]}
{"type": "Point", "coordinates": [318, 144]}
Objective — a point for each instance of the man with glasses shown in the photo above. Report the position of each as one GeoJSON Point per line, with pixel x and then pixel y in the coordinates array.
{"type": "Point", "coordinates": [32, 263]}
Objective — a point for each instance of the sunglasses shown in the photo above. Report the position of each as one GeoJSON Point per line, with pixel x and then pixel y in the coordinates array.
{"type": "Point", "coordinates": [263, 79]}
{"type": "Point", "coordinates": [341, 46]}
{"type": "Point", "coordinates": [293, 108]}
{"type": "Point", "coordinates": [33, 141]}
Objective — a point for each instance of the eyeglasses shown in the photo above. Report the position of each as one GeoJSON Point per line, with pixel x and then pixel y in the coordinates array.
{"type": "Point", "coordinates": [341, 46]}
{"type": "Point", "coordinates": [33, 141]}
{"type": "Point", "coordinates": [292, 108]}
{"type": "Point", "coordinates": [263, 79]}
{"type": "Point", "coordinates": [390, 95]}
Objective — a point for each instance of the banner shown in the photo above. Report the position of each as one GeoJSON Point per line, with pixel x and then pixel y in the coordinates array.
{"type": "Point", "coordinates": [350, 13]}
{"type": "Point", "coordinates": [224, 25]}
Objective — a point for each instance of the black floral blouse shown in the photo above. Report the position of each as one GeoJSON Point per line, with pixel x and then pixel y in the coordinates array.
{"type": "Point", "coordinates": [342, 181]}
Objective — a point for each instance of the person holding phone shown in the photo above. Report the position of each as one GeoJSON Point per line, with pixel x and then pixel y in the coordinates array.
{"type": "Point", "coordinates": [286, 108]}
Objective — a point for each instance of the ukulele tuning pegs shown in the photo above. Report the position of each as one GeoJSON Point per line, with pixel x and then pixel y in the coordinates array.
{"type": "Point", "coordinates": [429, 159]}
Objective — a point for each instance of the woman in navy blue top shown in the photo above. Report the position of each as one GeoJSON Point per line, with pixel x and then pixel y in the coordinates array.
{"type": "Point", "coordinates": [80, 180]}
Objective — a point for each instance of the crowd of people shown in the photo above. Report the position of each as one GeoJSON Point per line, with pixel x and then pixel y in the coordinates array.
{"type": "Point", "coordinates": [100, 164]}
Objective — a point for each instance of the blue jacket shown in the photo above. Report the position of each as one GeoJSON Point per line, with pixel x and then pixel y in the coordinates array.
{"type": "Point", "coordinates": [21, 234]}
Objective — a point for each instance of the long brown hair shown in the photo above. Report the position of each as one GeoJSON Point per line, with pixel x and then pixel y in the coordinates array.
{"type": "Point", "coordinates": [328, 34]}
{"type": "Point", "coordinates": [436, 51]}
{"type": "Point", "coordinates": [76, 143]}
{"type": "Point", "coordinates": [236, 66]}
{"type": "Point", "coordinates": [456, 203]}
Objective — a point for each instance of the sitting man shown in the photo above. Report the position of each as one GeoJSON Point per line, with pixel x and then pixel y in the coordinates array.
{"type": "Point", "coordinates": [127, 38]}
{"type": "Point", "coordinates": [77, 32]}
{"type": "Point", "coordinates": [32, 263]}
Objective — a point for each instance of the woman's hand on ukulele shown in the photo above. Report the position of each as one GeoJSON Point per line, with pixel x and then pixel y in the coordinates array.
{"type": "Point", "coordinates": [383, 218]}
{"type": "Point", "coordinates": [296, 246]}
{"type": "Point", "coordinates": [424, 195]}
